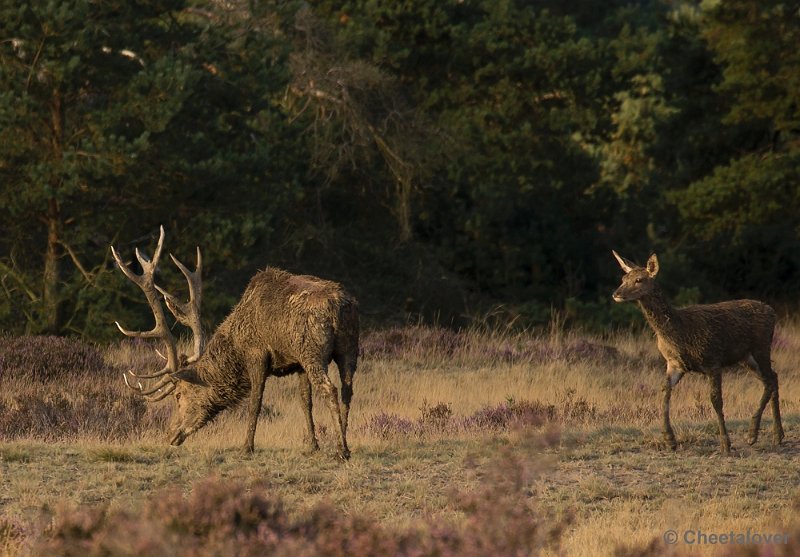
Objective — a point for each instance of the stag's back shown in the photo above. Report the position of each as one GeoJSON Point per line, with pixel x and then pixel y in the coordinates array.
{"type": "Point", "coordinates": [292, 315]}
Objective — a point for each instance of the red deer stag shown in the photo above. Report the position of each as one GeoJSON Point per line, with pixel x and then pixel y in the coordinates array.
{"type": "Point", "coordinates": [284, 324]}
{"type": "Point", "coordinates": [705, 339]}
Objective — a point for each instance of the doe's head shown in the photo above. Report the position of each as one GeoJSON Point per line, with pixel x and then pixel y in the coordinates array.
{"type": "Point", "coordinates": [637, 282]}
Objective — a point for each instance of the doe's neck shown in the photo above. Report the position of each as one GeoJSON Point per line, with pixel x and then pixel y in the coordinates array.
{"type": "Point", "coordinates": [658, 311]}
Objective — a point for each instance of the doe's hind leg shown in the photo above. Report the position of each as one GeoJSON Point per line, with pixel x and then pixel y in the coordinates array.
{"type": "Point", "coordinates": [762, 365]}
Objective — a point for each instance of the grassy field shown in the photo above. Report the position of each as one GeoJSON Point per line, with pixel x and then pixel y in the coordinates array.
{"type": "Point", "coordinates": [439, 420]}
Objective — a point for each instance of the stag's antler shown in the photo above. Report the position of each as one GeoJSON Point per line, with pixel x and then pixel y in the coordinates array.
{"type": "Point", "coordinates": [186, 313]}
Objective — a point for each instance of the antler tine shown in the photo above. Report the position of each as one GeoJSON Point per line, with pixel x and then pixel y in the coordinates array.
{"type": "Point", "coordinates": [165, 381]}
{"type": "Point", "coordinates": [189, 313]}
{"type": "Point", "coordinates": [160, 329]}
{"type": "Point", "coordinates": [149, 265]}
{"type": "Point", "coordinates": [163, 394]}
{"type": "Point", "coordinates": [166, 384]}
{"type": "Point", "coordinates": [165, 370]}
{"type": "Point", "coordinates": [123, 267]}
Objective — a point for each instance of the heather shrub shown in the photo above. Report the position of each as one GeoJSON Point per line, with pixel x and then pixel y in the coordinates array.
{"type": "Point", "coordinates": [227, 518]}
{"type": "Point", "coordinates": [49, 358]}
{"type": "Point", "coordinates": [439, 418]}
{"type": "Point", "coordinates": [435, 418]}
{"type": "Point", "coordinates": [398, 342]}
{"type": "Point", "coordinates": [11, 532]}
{"type": "Point", "coordinates": [52, 414]}
{"type": "Point", "coordinates": [57, 388]}
{"type": "Point", "coordinates": [435, 346]}
{"type": "Point", "coordinates": [570, 408]}
{"type": "Point", "coordinates": [386, 426]}
{"type": "Point", "coordinates": [575, 408]}
{"type": "Point", "coordinates": [500, 517]}
{"type": "Point", "coordinates": [510, 415]}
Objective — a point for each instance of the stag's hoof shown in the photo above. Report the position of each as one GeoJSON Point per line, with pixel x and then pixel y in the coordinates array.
{"type": "Point", "coordinates": [777, 439]}
{"type": "Point", "coordinates": [311, 449]}
{"type": "Point", "coordinates": [752, 438]}
{"type": "Point", "coordinates": [178, 438]}
{"type": "Point", "coordinates": [343, 454]}
{"type": "Point", "coordinates": [247, 450]}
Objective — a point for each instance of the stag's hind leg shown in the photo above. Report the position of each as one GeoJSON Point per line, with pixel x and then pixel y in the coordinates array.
{"type": "Point", "coordinates": [763, 367]}
{"type": "Point", "coordinates": [318, 374]}
{"type": "Point", "coordinates": [306, 403]}
{"type": "Point", "coordinates": [347, 368]}
{"type": "Point", "coordinates": [345, 354]}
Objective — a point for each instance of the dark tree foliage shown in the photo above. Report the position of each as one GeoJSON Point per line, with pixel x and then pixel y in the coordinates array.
{"type": "Point", "coordinates": [118, 116]}
{"type": "Point", "coordinates": [439, 157]}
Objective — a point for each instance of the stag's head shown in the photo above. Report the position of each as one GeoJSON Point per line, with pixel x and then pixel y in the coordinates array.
{"type": "Point", "coordinates": [195, 406]}
{"type": "Point", "coordinates": [182, 375]}
{"type": "Point", "coordinates": [637, 282]}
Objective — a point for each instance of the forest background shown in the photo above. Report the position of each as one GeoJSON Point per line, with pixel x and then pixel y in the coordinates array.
{"type": "Point", "coordinates": [449, 161]}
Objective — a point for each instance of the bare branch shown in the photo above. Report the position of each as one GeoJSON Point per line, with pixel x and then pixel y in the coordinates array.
{"type": "Point", "coordinates": [19, 280]}
{"type": "Point", "coordinates": [89, 278]}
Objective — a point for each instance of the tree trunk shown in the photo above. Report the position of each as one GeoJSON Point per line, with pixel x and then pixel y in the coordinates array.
{"type": "Point", "coordinates": [403, 208]}
{"type": "Point", "coordinates": [51, 277]}
{"type": "Point", "coordinates": [51, 315]}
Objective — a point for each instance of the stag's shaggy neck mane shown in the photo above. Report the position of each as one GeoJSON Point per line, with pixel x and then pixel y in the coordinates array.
{"type": "Point", "coordinates": [223, 370]}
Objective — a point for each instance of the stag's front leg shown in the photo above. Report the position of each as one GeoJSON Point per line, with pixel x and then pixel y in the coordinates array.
{"type": "Point", "coordinates": [716, 400]}
{"type": "Point", "coordinates": [258, 378]}
{"type": "Point", "coordinates": [319, 377]}
{"type": "Point", "coordinates": [306, 403]}
{"type": "Point", "coordinates": [673, 377]}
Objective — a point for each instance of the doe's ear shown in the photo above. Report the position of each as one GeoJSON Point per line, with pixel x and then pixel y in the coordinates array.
{"type": "Point", "coordinates": [652, 265]}
{"type": "Point", "coordinates": [189, 374]}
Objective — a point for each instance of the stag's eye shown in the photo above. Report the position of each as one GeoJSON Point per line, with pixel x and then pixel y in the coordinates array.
{"type": "Point", "coordinates": [177, 396]}
{"type": "Point", "coordinates": [638, 280]}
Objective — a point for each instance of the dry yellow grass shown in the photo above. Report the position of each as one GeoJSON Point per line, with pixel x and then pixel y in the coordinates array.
{"type": "Point", "coordinates": [610, 470]}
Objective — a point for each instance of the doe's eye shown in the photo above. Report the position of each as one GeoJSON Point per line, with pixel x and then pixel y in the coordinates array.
{"type": "Point", "coordinates": [638, 280]}
{"type": "Point", "coordinates": [177, 396]}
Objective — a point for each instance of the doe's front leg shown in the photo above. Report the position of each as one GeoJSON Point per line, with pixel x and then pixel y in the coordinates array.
{"type": "Point", "coordinates": [672, 378]}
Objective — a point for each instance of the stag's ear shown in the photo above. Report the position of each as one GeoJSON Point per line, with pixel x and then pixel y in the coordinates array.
{"type": "Point", "coordinates": [652, 265]}
{"type": "Point", "coordinates": [189, 374]}
{"type": "Point", "coordinates": [626, 265]}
